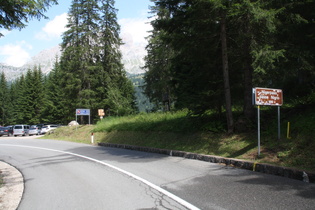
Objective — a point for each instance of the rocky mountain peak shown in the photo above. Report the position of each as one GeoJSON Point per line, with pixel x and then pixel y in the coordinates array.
{"type": "Point", "coordinates": [132, 59]}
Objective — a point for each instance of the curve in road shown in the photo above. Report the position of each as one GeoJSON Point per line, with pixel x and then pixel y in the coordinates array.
{"type": "Point", "coordinates": [166, 193]}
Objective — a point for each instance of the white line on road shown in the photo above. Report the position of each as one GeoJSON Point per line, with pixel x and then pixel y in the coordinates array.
{"type": "Point", "coordinates": [161, 190]}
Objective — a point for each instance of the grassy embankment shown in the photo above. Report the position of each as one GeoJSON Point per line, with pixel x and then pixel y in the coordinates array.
{"type": "Point", "coordinates": [205, 135]}
{"type": "Point", "coordinates": [1, 179]}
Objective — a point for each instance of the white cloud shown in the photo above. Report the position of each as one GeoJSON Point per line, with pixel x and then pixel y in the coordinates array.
{"type": "Point", "coordinates": [135, 30]}
{"type": "Point", "coordinates": [54, 28]}
{"type": "Point", "coordinates": [15, 55]}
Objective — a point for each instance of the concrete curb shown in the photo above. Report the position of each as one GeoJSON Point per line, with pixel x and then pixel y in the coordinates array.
{"type": "Point", "coordinates": [243, 164]}
{"type": "Point", "coordinates": [12, 190]}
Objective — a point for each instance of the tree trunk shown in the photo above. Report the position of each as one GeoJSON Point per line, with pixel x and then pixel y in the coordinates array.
{"type": "Point", "coordinates": [248, 75]}
{"type": "Point", "coordinates": [225, 66]}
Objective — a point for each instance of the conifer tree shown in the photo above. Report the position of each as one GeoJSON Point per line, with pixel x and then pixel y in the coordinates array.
{"type": "Point", "coordinates": [158, 85]}
{"type": "Point", "coordinates": [54, 98]}
{"type": "Point", "coordinates": [93, 75]}
{"type": "Point", "coordinates": [37, 95]}
{"type": "Point", "coordinates": [15, 14]}
{"type": "Point", "coordinates": [78, 47]}
{"type": "Point", "coordinates": [119, 93]}
{"type": "Point", "coordinates": [20, 100]}
{"type": "Point", "coordinates": [4, 100]}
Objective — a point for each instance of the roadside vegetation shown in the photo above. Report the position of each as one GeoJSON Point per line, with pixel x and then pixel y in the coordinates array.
{"type": "Point", "coordinates": [1, 179]}
{"type": "Point", "coordinates": [207, 135]}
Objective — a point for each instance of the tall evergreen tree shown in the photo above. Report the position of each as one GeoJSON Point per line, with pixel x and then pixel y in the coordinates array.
{"type": "Point", "coordinates": [20, 100]}
{"type": "Point", "coordinates": [119, 93]}
{"type": "Point", "coordinates": [158, 77]}
{"type": "Point", "coordinates": [15, 14]}
{"type": "Point", "coordinates": [295, 34]}
{"type": "Point", "coordinates": [93, 75]}
{"type": "Point", "coordinates": [208, 35]}
{"type": "Point", "coordinates": [54, 111]}
{"type": "Point", "coordinates": [4, 100]}
{"type": "Point", "coordinates": [192, 68]}
{"type": "Point", "coordinates": [78, 54]}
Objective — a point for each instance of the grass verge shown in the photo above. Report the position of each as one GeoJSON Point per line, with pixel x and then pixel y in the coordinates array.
{"type": "Point", "coordinates": [205, 135]}
{"type": "Point", "coordinates": [1, 179]}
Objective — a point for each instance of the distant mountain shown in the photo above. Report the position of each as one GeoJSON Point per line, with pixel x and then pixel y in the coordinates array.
{"type": "Point", "coordinates": [132, 60]}
{"type": "Point", "coordinates": [11, 72]}
{"type": "Point", "coordinates": [46, 59]}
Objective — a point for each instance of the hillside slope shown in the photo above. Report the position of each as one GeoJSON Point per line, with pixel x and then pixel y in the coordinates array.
{"type": "Point", "coordinates": [204, 135]}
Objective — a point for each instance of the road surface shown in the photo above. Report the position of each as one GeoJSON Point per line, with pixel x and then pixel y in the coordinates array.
{"type": "Point", "coordinates": [65, 175]}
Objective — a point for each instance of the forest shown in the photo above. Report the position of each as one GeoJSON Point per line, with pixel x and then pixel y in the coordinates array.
{"type": "Point", "coordinates": [208, 55]}
{"type": "Point", "coordinates": [203, 55]}
{"type": "Point", "coordinates": [89, 74]}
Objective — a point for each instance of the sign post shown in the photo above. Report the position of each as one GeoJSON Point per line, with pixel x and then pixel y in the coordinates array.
{"type": "Point", "coordinates": [101, 113]}
{"type": "Point", "coordinates": [267, 97]}
{"type": "Point", "coordinates": [258, 128]}
{"type": "Point", "coordinates": [85, 112]}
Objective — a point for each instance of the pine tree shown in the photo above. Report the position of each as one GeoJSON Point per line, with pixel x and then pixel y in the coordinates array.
{"type": "Point", "coordinates": [119, 93]}
{"type": "Point", "coordinates": [158, 75]}
{"type": "Point", "coordinates": [93, 75]}
{"type": "Point", "coordinates": [37, 94]}
{"type": "Point", "coordinates": [54, 111]}
{"type": "Point", "coordinates": [20, 100]}
{"type": "Point", "coordinates": [295, 35]}
{"type": "Point", "coordinates": [186, 37]}
{"type": "Point", "coordinates": [4, 100]}
{"type": "Point", "coordinates": [15, 14]}
{"type": "Point", "coordinates": [78, 57]}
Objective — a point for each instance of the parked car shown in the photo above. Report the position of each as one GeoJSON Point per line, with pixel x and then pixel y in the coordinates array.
{"type": "Point", "coordinates": [10, 128]}
{"type": "Point", "coordinates": [47, 128]}
{"type": "Point", "coordinates": [21, 130]}
{"type": "Point", "coordinates": [5, 131]}
{"type": "Point", "coordinates": [34, 130]}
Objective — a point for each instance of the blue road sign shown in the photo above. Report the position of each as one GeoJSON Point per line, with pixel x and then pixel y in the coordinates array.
{"type": "Point", "coordinates": [82, 112]}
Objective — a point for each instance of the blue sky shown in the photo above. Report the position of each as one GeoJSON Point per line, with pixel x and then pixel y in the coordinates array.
{"type": "Point", "coordinates": [17, 47]}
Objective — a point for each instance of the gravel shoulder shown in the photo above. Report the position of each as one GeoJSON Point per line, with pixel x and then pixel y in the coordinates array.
{"type": "Point", "coordinates": [12, 190]}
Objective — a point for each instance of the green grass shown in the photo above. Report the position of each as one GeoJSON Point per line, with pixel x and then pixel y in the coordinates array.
{"type": "Point", "coordinates": [1, 179]}
{"type": "Point", "coordinates": [168, 122]}
{"type": "Point", "coordinates": [206, 135]}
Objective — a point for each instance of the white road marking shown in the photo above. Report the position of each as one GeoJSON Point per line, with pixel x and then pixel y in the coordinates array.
{"type": "Point", "coordinates": [161, 190]}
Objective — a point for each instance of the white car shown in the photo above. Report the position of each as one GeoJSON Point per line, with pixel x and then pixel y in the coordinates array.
{"type": "Point", "coordinates": [21, 130]}
{"type": "Point", "coordinates": [47, 128]}
{"type": "Point", "coordinates": [34, 131]}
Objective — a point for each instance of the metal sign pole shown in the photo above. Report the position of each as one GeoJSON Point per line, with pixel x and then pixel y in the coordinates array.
{"type": "Point", "coordinates": [76, 119]}
{"type": "Point", "coordinates": [258, 125]}
{"type": "Point", "coordinates": [279, 123]}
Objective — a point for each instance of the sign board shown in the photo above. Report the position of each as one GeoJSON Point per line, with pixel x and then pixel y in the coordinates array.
{"type": "Point", "coordinates": [267, 97]}
{"type": "Point", "coordinates": [85, 112]}
{"type": "Point", "coordinates": [82, 112]}
{"type": "Point", "coordinates": [101, 112]}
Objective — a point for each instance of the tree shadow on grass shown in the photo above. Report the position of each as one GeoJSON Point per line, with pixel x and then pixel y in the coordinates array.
{"type": "Point", "coordinates": [242, 151]}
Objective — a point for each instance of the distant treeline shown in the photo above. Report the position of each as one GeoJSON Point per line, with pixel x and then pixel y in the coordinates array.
{"type": "Point", "coordinates": [88, 75]}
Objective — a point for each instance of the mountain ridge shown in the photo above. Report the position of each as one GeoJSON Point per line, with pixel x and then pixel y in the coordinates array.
{"type": "Point", "coordinates": [132, 58]}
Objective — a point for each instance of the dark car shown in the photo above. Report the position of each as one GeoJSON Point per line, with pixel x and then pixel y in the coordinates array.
{"type": "Point", "coordinates": [5, 131]}
{"type": "Point", "coordinates": [10, 127]}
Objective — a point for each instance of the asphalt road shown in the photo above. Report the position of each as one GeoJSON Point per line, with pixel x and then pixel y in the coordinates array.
{"type": "Point", "coordinates": [65, 175]}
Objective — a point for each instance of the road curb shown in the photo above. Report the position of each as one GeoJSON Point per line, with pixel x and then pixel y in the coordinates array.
{"type": "Point", "coordinates": [243, 164]}
{"type": "Point", "coordinates": [11, 191]}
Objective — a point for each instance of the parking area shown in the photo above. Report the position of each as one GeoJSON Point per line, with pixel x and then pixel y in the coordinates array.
{"type": "Point", "coordinates": [20, 137]}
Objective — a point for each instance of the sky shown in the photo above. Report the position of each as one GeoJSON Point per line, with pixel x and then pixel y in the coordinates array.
{"type": "Point", "coordinates": [18, 46]}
